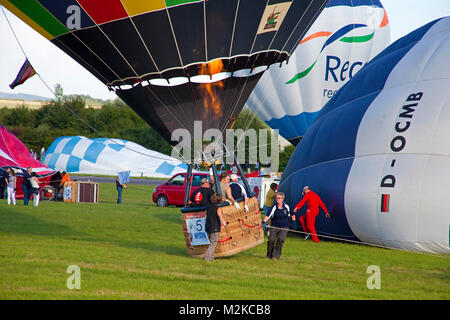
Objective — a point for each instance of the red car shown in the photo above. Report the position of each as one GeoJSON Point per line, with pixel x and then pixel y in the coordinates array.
{"type": "Point", "coordinates": [172, 192]}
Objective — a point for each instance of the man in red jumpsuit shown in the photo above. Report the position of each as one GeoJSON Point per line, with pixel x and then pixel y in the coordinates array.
{"type": "Point", "coordinates": [313, 202]}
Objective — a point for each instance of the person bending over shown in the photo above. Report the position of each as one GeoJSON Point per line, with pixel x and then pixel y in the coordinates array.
{"type": "Point", "coordinates": [308, 220]}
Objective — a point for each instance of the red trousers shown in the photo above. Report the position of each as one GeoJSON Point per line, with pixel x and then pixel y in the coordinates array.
{"type": "Point", "coordinates": [308, 222]}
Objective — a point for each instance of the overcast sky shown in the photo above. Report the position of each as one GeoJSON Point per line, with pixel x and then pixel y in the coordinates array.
{"type": "Point", "coordinates": [56, 67]}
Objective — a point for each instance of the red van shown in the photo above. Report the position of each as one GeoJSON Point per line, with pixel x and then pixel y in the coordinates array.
{"type": "Point", "coordinates": [172, 192]}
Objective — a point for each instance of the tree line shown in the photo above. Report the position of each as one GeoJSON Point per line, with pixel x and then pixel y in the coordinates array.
{"type": "Point", "coordinates": [41, 126]}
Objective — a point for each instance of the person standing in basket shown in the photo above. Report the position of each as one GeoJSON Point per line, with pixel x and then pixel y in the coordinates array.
{"type": "Point", "coordinates": [225, 189]}
{"type": "Point", "coordinates": [279, 214]}
{"type": "Point", "coordinates": [238, 191]}
{"type": "Point", "coordinates": [214, 221]}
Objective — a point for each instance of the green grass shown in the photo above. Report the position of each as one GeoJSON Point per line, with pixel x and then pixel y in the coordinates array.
{"type": "Point", "coordinates": [137, 251]}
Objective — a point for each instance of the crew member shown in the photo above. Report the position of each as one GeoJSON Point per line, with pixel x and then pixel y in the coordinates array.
{"type": "Point", "coordinates": [279, 215]}
{"type": "Point", "coordinates": [202, 196]}
{"type": "Point", "coordinates": [270, 195]}
{"type": "Point", "coordinates": [214, 222]}
{"type": "Point", "coordinates": [64, 178]}
{"type": "Point", "coordinates": [119, 187]}
{"type": "Point", "coordinates": [308, 220]}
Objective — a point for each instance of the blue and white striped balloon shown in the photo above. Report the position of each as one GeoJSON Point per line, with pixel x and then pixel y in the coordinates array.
{"type": "Point", "coordinates": [79, 154]}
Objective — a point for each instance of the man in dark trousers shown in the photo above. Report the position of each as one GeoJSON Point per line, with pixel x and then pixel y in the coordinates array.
{"type": "Point", "coordinates": [26, 185]}
{"type": "Point", "coordinates": [279, 214]}
{"type": "Point", "coordinates": [4, 179]}
{"type": "Point", "coordinates": [308, 220]}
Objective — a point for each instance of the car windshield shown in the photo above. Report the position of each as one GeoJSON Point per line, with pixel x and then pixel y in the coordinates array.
{"type": "Point", "coordinates": [177, 180]}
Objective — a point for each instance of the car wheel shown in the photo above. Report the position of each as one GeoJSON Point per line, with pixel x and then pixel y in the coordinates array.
{"type": "Point", "coordinates": [162, 201]}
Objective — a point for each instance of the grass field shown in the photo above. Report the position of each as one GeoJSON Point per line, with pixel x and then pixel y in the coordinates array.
{"type": "Point", "coordinates": [137, 251]}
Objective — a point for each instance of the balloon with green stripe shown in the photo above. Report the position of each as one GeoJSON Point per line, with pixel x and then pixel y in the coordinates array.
{"type": "Point", "coordinates": [341, 41]}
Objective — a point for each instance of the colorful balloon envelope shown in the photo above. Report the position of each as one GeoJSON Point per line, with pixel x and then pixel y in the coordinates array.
{"type": "Point", "coordinates": [14, 154]}
{"type": "Point", "coordinates": [346, 35]}
{"type": "Point", "coordinates": [378, 153]}
{"type": "Point", "coordinates": [175, 61]}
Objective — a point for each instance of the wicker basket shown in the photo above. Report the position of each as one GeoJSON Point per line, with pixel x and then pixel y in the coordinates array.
{"type": "Point", "coordinates": [242, 231]}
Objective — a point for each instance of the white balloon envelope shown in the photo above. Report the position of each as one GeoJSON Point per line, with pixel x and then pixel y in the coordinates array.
{"type": "Point", "coordinates": [378, 153]}
{"type": "Point", "coordinates": [346, 35]}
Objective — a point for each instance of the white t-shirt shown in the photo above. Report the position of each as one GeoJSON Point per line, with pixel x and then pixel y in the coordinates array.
{"type": "Point", "coordinates": [34, 183]}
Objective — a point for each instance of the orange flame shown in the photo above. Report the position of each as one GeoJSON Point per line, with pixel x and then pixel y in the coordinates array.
{"type": "Point", "coordinates": [211, 101]}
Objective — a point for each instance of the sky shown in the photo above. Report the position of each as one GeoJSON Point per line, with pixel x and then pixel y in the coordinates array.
{"type": "Point", "coordinates": [55, 66]}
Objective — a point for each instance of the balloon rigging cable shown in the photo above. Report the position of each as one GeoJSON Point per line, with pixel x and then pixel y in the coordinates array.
{"type": "Point", "coordinates": [68, 108]}
{"type": "Point", "coordinates": [335, 237]}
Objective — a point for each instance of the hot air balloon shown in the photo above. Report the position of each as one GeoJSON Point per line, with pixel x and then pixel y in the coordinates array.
{"type": "Point", "coordinates": [15, 155]}
{"type": "Point", "coordinates": [378, 153]}
{"type": "Point", "coordinates": [176, 62]}
{"type": "Point", "coordinates": [82, 155]}
{"type": "Point", "coordinates": [346, 35]}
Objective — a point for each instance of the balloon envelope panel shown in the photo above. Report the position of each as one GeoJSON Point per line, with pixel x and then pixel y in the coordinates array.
{"type": "Point", "coordinates": [345, 36]}
{"type": "Point", "coordinates": [378, 152]}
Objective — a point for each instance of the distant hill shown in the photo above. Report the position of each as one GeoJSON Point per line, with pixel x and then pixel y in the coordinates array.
{"type": "Point", "coordinates": [31, 97]}
{"type": "Point", "coordinates": [87, 98]}
{"type": "Point", "coordinates": [22, 96]}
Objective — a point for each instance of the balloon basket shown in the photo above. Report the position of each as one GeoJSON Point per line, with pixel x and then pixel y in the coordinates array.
{"type": "Point", "coordinates": [80, 191]}
{"type": "Point", "coordinates": [243, 230]}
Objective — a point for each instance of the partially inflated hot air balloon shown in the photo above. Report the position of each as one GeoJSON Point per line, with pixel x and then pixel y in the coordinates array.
{"type": "Point", "coordinates": [346, 35]}
{"type": "Point", "coordinates": [15, 155]}
{"type": "Point", "coordinates": [179, 61]}
{"type": "Point", "coordinates": [378, 153]}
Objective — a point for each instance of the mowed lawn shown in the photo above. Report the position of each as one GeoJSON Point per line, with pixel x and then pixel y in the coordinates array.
{"type": "Point", "coordinates": [137, 251]}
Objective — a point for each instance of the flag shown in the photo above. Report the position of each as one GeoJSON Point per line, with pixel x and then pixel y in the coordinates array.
{"type": "Point", "coordinates": [385, 199]}
{"type": "Point", "coordinates": [27, 71]}
{"type": "Point", "coordinates": [124, 177]}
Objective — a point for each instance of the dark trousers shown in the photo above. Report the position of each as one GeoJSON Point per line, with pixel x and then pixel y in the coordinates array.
{"type": "Point", "coordinates": [119, 194]}
{"type": "Point", "coordinates": [275, 243]}
{"type": "Point", "coordinates": [26, 194]}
